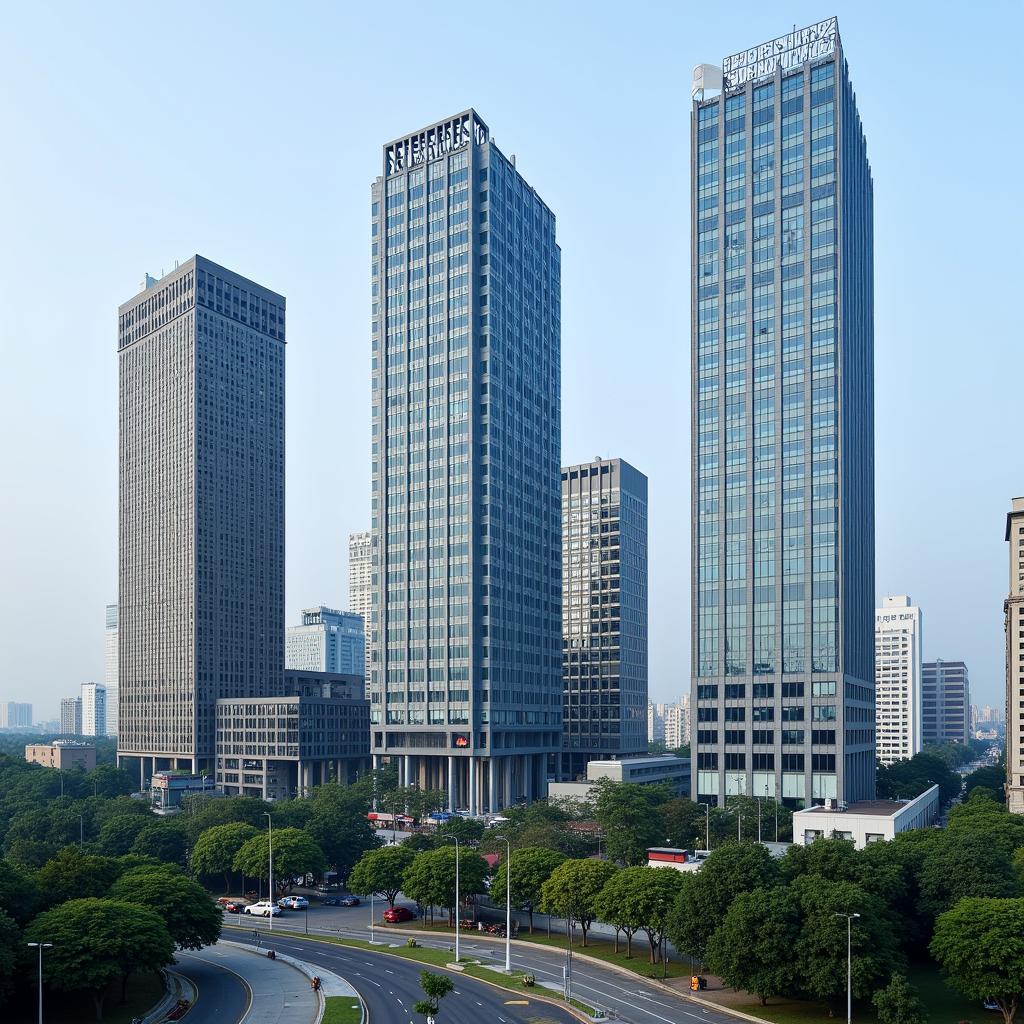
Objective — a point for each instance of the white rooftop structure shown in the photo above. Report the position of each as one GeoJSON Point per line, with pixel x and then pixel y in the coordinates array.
{"type": "Point", "coordinates": [868, 821]}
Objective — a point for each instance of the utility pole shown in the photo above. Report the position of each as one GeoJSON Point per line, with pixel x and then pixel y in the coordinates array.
{"type": "Point", "coordinates": [270, 867]}
{"type": "Point", "coordinates": [849, 965]}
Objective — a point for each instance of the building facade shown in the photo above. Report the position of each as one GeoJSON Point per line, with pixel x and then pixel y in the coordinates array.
{"type": "Point", "coordinates": [360, 575]}
{"type": "Point", "coordinates": [71, 716]}
{"type": "Point", "coordinates": [62, 755]}
{"type": "Point", "coordinates": [868, 821]}
{"type": "Point", "coordinates": [15, 715]}
{"type": "Point", "coordinates": [898, 661]}
{"type": "Point", "coordinates": [783, 427]}
{"type": "Point", "coordinates": [655, 723]}
{"type": "Point", "coordinates": [945, 702]}
{"type": "Point", "coordinates": [1013, 623]}
{"type": "Point", "coordinates": [94, 709]}
{"type": "Point", "coordinates": [201, 518]}
{"type": "Point", "coordinates": [465, 681]}
{"type": "Point", "coordinates": [327, 641]}
{"type": "Point", "coordinates": [677, 724]}
{"type": "Point", "coordinates": [110, 667]}
{"type": "Point", "coordinates": [604, 613]}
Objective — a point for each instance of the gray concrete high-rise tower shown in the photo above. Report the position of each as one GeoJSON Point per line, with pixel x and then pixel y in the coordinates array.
{"type": "Point", "coordinates": [782, 413]}
{"type": "Point", "coordinates": [360, 574]}
{"type": "Point", "coordinates": [604, 613]}
{"type": "Point", "coordinates": [201, 520]}
{"type": "Point", "coordinates": [465, 681]}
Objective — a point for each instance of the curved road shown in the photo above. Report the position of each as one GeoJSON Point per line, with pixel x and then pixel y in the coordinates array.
{"type": "Point", "coordinates": [222, 996]}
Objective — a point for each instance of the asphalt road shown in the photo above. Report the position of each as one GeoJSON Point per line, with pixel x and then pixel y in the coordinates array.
{"type": "Point", "coordinates": [222, 997]}
{"type": "Point", "coordinates": [390, 986]}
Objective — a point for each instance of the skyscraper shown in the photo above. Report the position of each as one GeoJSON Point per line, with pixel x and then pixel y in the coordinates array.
{"type": "Point", "coordinates": [898, 646]}
{"type": "Point", "coordinates": [604, 613]}
{"type": "Point", "coordinates": [110, 667]}
{"type": "Point", "coordinates": [466, 687]}
{"type": "Point", "coordinates": [327, 641]}
{"type": "Point", "coordinates": [1013, 623]}
{"type": "Point", "coordinates": [71, 716]}
{"type": "Point", "coordinates": [94, 709]}
{"type": "Point", "coordinates": [782, 426]}
{"type": "Point", "coordinates": [15, 715]}
{"type": "Point", "coordinates": [945, 702]}
{"type": "Point", "coordinates": [360, 573]}
{"type": "Point", "coordinates": [201, 525]}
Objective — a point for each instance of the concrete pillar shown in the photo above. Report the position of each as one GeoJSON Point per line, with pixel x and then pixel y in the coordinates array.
{"type": "Point", "coordinates": [472, 785]}
{"type": "Point", "coordinates": [492, 786]}
{"type": "Point", "coordinates": [376, 762]}
{"type": "Point", "coordinates": [142, 774]}
{"type": "Point", "coordinates": [410, 770]}
{"type": "Point", "coordinates": [526, 763]}
{"type": "Point", "coordinates": [452, 786]}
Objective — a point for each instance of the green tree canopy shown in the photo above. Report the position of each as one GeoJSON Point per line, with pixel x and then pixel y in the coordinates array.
{"type": "Point", "coordinates": [190, 915]}
{"type": "Point", "coordinates": [201, 811]}
{"type": "Point", "coordinates": [531, 868]}
{"type": "Point", "coordinates": [962, 864]}
{"type": "Point", "coordinates": [216, 848]}
{"type": "Point", "coordinates": [991, 777]}
{"type": "Point", "coordinates": [339, 827]}
{"type": "Point", "coordinates": [898, 1003]}
{"type": "Point", "coordinates": [684, 824]}
{"type": "Point", "coordinates": [20, 896]}
{"type": "Point", "coordinates": [435, 988]}
{"type": "Point", "coordinates": [430, 879]}
{"type": "Point", "coordinates": [73, 874]}
{"type": "Point", "coordinates": [979, 944]}
{"type": "Point", "coordinates": [118, 834]}
{"type": "Point", "coordinates": [164, 839]}
{"type": "Point", "coordinates": [381, 871]}
{"type": "Point", "coordinates": [911, 777]}
{"type": "Point", "coordinates": [109, 780]}
{"type": "Point", "coordinates": [10, 953]}
{"type": "Point", "coordinates": [96, 941]}
{"type": "Point", "coordinates": [614, 905]}
{"type": "Point", "coordinates": [640, 899]}
{"type": "Point", "coordinates": [572, 889]}
{"type": "Point", "coordinates": [752, 949]}
{"type": "Point", "coordinates": [630, 815]}
{"type": "Point", "coordinates": [295, 853]}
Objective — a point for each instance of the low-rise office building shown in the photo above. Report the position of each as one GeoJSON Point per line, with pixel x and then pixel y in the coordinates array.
{"type": "Point", "coordinates": [664, 768]}
{"type": "Point", "coordinates": [867, 821]}
{"type": "Point", "coordinates": [168, 788]}
{"type": "Point", "coordinates": [62, 754]}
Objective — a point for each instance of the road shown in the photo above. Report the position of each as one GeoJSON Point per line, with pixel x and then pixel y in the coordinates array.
{"type": "Point", "coordinates": [222, 997]}
{"type": "Point", "coordinates": [635, 1001]}
{"type": "Point", "coordinates": [390, 986]}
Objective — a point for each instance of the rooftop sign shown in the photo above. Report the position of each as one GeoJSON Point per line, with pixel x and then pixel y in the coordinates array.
{"type": "Point", "coordinates": [446, 137]}
{"type": "Point", "coordinates": [788, 51]}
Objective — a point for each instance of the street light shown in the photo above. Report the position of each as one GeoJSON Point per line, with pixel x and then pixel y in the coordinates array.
{"type": "Point", "coordinates": [270, 866]}
{"type": "Point", "coordinates": [457, 922]}
{"type": "Point", "coordinates": [508, 903]}
{"type": "Point", "coordinates": [40, 946]}
{"type": "Point", "coordinates": [849, 987]}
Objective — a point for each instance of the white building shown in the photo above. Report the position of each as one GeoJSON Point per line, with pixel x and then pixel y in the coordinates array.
{"type": "Point", "coordinates": [898, 679]}
{"type": "Point", "coordinates": [94, 709]}
{"type": "Point", "coordinates": [669, 723]}
{"type": "Point", "coordinates": [652, 770]}
{"type": "Point", "coordinates": [655, 723]}
{"type": "Point", "coordinates": [1013, 624]}
{"type": "Point", "coordinates": [360, 574]}
{"type": "Point", "coordinates": [869, 821]}
{"type": "Point", "coordinates": [327, 641]}
{"type": "Point", "coordinates": [110, 668]}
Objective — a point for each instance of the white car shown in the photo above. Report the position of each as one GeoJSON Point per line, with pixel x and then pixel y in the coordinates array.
{"type": "Point", "coordinates": [293, 902]}
{"type": "Point", "coordinates": [263, 909]}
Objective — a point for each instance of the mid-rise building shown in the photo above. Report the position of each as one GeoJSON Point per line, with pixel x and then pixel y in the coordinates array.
{"type": "Point", "coordinates": [94, 709]}
{"type": "Point", "coordinates": [867, 821]}
{"type": "Point", "coordinates": [898, 660]}
{"type": "Point", "coordinates": [360, 575]}
{"type": "Point", "coordinates": [1013, 619]}
{"type": "Point", "coordinates": [677, 724]}
{"type": "Point", "coordinates": [201, 509]}
{"type": "Point", "coordinates": [71, 716]}
{"type": "Point", "coordinates": [466, 681]}
{"type": "Point", "coordinates": [945, 702]}
{"type": "Point", "coordinates": [110, 667]}
{"type": "Point", "coordinates": [327, 641]}
{"type": "Point", "coordinates": [15, 715]}
{"type": "Point", "coordinates": [655, 723]}
{"type": "Point", "coordinates": [604, 613]}
{"type": "Point", "coordinates": [62, 754]}
{"type": "Point", "coordinates": [782, 415]}
{"type": "Point", "coordinates": [659, 769]}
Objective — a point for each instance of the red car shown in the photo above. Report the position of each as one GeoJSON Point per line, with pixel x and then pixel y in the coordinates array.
{"type": "Point", "coordinates": [393, 915]}
{"type": "Point", "coordinates": [231, 906]}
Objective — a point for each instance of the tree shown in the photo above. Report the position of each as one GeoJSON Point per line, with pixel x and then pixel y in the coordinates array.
{"type": "Point", "coordinates": [110, 781]}
{"type": "Point", "coordinates": [530, 869]}
{"type": "Point", "coordinates": [572, 889]}
{"type": "Point", "coordinates": [380, 871]}
{"type": "Point", "coordinates": [295, 853]}
{"type": "Point", "coordinates": [897, 1003]}
{"type": "Point", "coordinates": [201, 811]}
{"type": "Point", "coordinates": [10, 949]}
{"type": "Point", "coordinates": [118, 834]}
{"type": "Point", "coordinates": [614, 906]}
{"type": "Point", "coordinates": [188, 912]}
{"type": "Point", "coordinates": [165, 840]}
{"type": "Point", "coordinates": [991, 777]}
{"type": "Point", "coordinates": [629, 814]}
{"type": "Point", "coordinates": [430, 879]}
{"type": "Point", "coordinates": [654, 894]}
{"type": "Point", "coordinates": [339, 827]}
{"type": "Point", "coordinates": [911, 777]}
{"type": "Point", "coordinates": [19, 895]}
{"type": "Point", "coordinates": [963, 864]}
{"type": "Point", "coordinates": [435, 988]}
{"type": "Point", "coordinates": [73, 874]}
{"type": "Point", "coordinates": [30, 854]}
{"type": "Point", "coordinates": [217, 847]}
{"type": "Point", "coordinates": [752, 949]}
{"type": "Point", "coordinates": [96, 941]}
{"type": "Point", "coordinates": [979, 944]}
{"type": "Point", "coordinates": [684, 823]}
{"type": "Point", "coordinates": [466, 830]}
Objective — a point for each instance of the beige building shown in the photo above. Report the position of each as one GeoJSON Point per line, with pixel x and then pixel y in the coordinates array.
{"type": "Point", "coordinates": [1013, 616]}
{"type": "Point", "coordinates": [62, 755]}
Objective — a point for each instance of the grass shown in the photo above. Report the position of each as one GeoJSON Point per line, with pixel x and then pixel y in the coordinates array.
{"type": "Point", "coordinates": [144, 992]}
{"type": "Point", "coordinates": [342, 1010]}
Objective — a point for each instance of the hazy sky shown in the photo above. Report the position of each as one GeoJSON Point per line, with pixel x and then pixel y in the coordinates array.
{"type": "Point", "coordinates": [138, 134]}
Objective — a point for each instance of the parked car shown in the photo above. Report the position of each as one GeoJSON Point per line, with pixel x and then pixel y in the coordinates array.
{"type": "Point", "coordinates": [331, 901]}
{"type": "Point", "coordinates": [348, 901]}
{"type": "Point", "coordinates": [393, 915]}
{"type": "Point", "coordinates": [293, 903]}
{"type": "Point", "coordinates": [990, 1004]}
{"type": "Point", "coordinates": [263, 909]}
{"type": "Point", "coordinates": [231, 906]}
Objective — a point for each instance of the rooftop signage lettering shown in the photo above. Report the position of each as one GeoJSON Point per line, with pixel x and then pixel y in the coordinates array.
{"type": "Point", "coordinates": [788, 51]}
{"type": "Point", "coordinates": [431, 143]}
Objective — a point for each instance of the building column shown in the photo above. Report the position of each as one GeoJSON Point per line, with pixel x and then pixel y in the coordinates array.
{"type": "Point", "coordinates": [298, 780]}
{"type": "Point", "coordinates": [452, 788]}
{"type": "Point", "coordinates": [142, 774]}
{"type": "Point", "coordinates": [528, 777]}
{"type": "Point", "coordinates": [376, 762]}
{"type": "Point", "coordinates": [410, 770]}
{"type": "Point", "coordinates": [492, 786]}
{"type": "Point", "coordinates": [472, 785]}
{"type": "Point", "coordinates": [509, 781]}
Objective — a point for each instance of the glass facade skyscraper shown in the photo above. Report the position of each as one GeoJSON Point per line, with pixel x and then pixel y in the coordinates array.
{"type": "Point", "coordinates": [604, 613]}
{"type": "Point", "coordinates": [782, 427]}
{"type": "Point", "coordinates": [465, 630]}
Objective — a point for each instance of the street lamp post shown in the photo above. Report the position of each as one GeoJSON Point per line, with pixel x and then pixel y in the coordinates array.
{"type": "Point", "coordinates": [508, 903]}
{"type": "Point", "coordinates": [849, 964]}
{"type": "Point", "coordinates": [270, 866]}
{"type": "Point", "coordinates": [41, 946]}
{"type": "Point", "coordinates": [457, 922]}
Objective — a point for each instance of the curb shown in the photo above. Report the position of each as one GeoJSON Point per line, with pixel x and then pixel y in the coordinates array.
{"type": "Point", "coordinates": [177, 987]}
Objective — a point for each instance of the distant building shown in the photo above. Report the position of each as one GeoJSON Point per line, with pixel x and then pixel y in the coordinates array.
{"type": "Point", "coordinates": [110, 668]}
{"type": "Point", "coordinates": [868, 821]}
{"type": "Point", "coordinates": [945, 702]}
{"type": "Point", "coordinates": [71, 716]}
{"type": "Point", "coordinates": [677, 724]}
{"type": "Point", "coordinates": [360, 576]}
{"type": "Point", "coordinates": [94, 709]}
{"type": "Point", "coordinates": [1013, 619]}
{"type": "Point", "coordinates": [655, 723]}
{"type": "Point", "coordinates": [659, 768]}
{"type": "Point", "coordinates": [327, 641]}
{"type": "Point", "coordinates": [168, 788]}
{"type": "Point", "coordinates": [15, 715]}
{"type": "Point", "coordinates": [898, 685]}
{"type": "Point", "coordinates": [62, 755]}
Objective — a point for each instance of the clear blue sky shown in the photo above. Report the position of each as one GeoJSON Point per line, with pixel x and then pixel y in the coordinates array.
{"type": "Point", "coordinates": [137, 134]}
